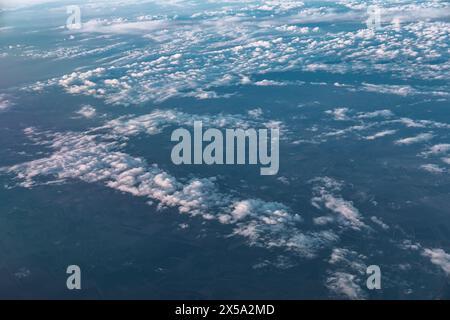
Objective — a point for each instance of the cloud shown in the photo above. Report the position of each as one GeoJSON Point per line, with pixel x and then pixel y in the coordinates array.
{"type": "Point", "coordinates": [376, 114]}
{"type": "Point", "coordinates": [439, 257]}
{"type": "Point", "coordinates": [122, 26]}
{"type": "Point", "coordinates": [17, 4]}
{"type": "Point", "coordinates": [233, 42]}
{"type": "Point", "coordinates": [381, 134]}
{"type": "Point", "coordinates": [411, 123]}
{"type": "Point", "coordinates": [347, 271]}
{"type": "Point", "coordinates": [268, 83]}
{"type": "Point", "coordinates": [255, 113]}
{"type": "Point", "coordinates": [338, 113]}
{"type": "Point", "coordinates": [438, 149]}
{"type": "Point", "coordinates": [379, 222]}
{"type": "Point", "coordinates": [87, 111]}
{"type": "Point", "coordinates": [432, 168]}
{"type": "Point", "coordinates": [281, 262]}
{"type": "Point", "coordinates": [348, 259]}
{"type": "Point", "coordinates": [96, 158]}
{"type": "Point", "coordinates": [326, 197]}
{"type": "Point", "coordinates": [345, 285]}
{"type": "Point", "coordinates": [389, 89]}
{"type": "Point", "coordinates": [4, 103]}
{"type": "Point", "coordinates": [156, 121]}
{"type": "Point", "coordinates": [417, 139]}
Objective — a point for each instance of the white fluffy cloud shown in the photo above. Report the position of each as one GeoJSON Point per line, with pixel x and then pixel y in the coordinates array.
{"type": "Point", "coordinates": [326, 196]}
{"type": "Point", "coordinates": [97, 158]}
{"type": "Point", "coordinates": [224, 46]}
{"type": "Point", "coordinates": [87, 111]}
{"type": "Point", "coordinates": [440, 258]}
{"type": "Point", "coordinates": [122, 26]}
{"type": "Point", "coordinates": [381, 134]}
{"type": "Point", "coordinates": [346, 274]}
{"type": "Point", "coordinates": [416, 139]}
{"type": "Point", "coordinates": [157, 120]}
{"type": "Point", "coordinates": [345, 285]}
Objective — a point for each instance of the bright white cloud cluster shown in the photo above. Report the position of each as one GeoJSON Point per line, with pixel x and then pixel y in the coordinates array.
{"type": "Point", "coordinates": [87, 111]}
{"type": "Point", "coordinates": [326, 197]}
{"type": "Point", "coordinates": [440, 258]}
{"type": "Point", "coordinates": [197, 49]}
{"type": "Point", "coordinates": [237, 40]}
{"type": "Point", "coordinates": [345, 285]}
{"type": "Point", "coordinates": [419, 138]}
{"type": "Point", "coordinates": [157, 120]}
{"type": "Point", "coordinates": [96, 158]}
{"type": "Point", "coordinates": [347, 274]}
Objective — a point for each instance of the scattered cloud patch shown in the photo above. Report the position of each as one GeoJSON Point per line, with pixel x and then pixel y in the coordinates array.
{"type": "Point", "coordinates": [423, 137]}
{"type": "Point", "coordinates": [440, 258]}
{"type": "Point", "coordinates": [4, 102]}
{"type": "Point", "coordinates": [87, 111]}
{"type": "Point", "coordinates": [326, 196]}
{"type": "Point", "coordinates": [432, 168]}
{"type": "Point", "coordinates": [381, 134]}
